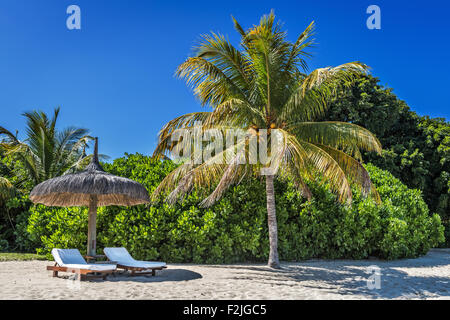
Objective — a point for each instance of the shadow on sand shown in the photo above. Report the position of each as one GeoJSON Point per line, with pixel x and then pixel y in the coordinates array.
{"type": "Point", "coordinates": [166, 275]}
{"type": "Point", "coordinates": [349, 277]}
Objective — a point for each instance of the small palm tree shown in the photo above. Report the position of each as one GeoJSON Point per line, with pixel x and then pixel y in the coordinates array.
{"type": "Point", "coordinates": [46, 152]}
{"type": "Point", "coordinates": [266, 86]}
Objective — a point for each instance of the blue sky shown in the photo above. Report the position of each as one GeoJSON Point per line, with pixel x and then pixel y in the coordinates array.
{"type": "Point", "coordinates": [115, 76]}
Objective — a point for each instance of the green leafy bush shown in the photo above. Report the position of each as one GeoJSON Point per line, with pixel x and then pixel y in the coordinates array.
{"type": "Point", "coordinates": [416, 149]}
{"type": "Point", "coordinates": [235, 229]}
{"type": "Point", "coordinates": [14, 215]}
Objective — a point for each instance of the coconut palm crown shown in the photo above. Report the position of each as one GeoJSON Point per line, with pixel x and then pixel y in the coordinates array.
{"type": "Point", "coordinates": [266, 85]}
{"type": "Point", "coordinates": [46, 152]}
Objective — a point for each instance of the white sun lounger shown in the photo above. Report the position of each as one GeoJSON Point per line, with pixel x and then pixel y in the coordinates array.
{"type": "Point", "coordinates": [70, 260]}
{"type": "Point", "coordinates": [125, 261]}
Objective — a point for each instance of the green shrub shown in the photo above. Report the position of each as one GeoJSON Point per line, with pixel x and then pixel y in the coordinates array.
{"type": "Point", "coordinates": [409, 229]}
{"type": "Point", "coordinates": [235, 229]}
{"type": "Point", "coordinates": [3, 245]}
{"type": "Point", "coordinates": [14, 215]}
{"type": "Point", "coordinates": [416, 149]}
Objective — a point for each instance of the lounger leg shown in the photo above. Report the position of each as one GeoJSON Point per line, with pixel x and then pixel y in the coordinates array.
{"type": "Point", "coordinates": [153, 272]}
{"type": "Point", "coordinates": [55, 273]}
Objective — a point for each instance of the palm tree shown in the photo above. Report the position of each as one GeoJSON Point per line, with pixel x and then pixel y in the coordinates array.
{"type": "Point", "coordinates": [266, 87]}
{"type": "Point", "coordinates": [46, 152]}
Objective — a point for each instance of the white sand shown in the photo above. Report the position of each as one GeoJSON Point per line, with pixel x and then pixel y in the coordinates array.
{"type": "Point", "coordinates": [427, 277]}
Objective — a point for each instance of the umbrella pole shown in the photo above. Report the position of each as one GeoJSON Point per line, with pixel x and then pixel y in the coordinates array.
{"type": "Point", "coordinates": [91, 245]}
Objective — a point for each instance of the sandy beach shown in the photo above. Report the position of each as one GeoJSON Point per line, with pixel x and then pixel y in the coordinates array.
{"type": "Point", "coordinates": [427, 277]}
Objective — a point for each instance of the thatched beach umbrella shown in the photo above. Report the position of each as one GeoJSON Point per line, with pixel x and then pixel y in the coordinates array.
{"type": "Point", "coordinates": [93, 188]}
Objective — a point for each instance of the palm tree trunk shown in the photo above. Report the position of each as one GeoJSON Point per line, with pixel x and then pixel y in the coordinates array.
{"type": "Point", "coordinates": [272, 224]}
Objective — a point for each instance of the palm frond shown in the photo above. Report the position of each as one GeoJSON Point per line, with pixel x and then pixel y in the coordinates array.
{"type": "Point", "coordinates": [303, 42]}
{"type": "Point", "coordinates": [235, 112]}
{"type": "Point", "coordinates": [219, 51]}
{"type": "Point", "coordinates": [7, 189]}
{"type": "Point", "coordinates": [233, 172]}
{"type": "Point", "coordinates": [238, 28]}
{"type": "Point", "coordinates": [355, 170]}
{"type": "Point", "coordinates": [324, 164]}
{"type": "Point", "coordinates": [189, 175]}
{"type": "Point", "coordinates": [333, 75]}
{"type": "Point", "coordinates": [165, 135]}
{"type": "Point", "coordinates": [9, 135]}
{"type": "Point", "coordinates": [309, 98]}
{"type": "Point", "coordinates": [211, 84]}
{"type": "Point", "coordinates": [290, 172]}
{"type": "Point", "coordinates": [340, 135]}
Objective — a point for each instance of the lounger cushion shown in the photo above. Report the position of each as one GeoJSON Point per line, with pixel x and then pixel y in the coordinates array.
{"type": "Point", "coordinates": [68, 256]}
{"type": "Point", "coordinates": [122, 257]}
{"type": "Point", "coordinates": [118, 254]}
{"type": "Point", "coordinates": [94, 267]}
{"type": "Point", "coordinates": [72, 258]}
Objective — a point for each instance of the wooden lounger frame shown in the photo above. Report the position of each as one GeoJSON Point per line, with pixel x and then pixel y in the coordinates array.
{"type": "Point", "coordinates": [85, 274]}
{"type": "Point", "coordinates": [137, 271]}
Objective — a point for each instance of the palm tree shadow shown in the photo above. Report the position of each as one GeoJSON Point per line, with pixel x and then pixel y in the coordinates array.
{"type": "Point", "coordinates": [349, 278]}
{"type": "Point", "coordinates": [393, 283]}
{"type": "Point", "coordinates": [166, 275]}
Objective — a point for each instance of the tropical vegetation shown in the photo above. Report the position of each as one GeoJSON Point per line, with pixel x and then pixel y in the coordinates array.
{"type": "Point", "coordinates": [235, 228]}
{"type": "Point", "coordinates": [416, 149]}
{"type": "Point", "coordinates": [46, 152]}
{"type": "Point", "coordinates": [267, 86]}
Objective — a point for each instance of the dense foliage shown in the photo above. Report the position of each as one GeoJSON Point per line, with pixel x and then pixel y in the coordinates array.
{"type": "Point", "coordinates": [235, 229]}
{"type": "Point", "coordinates": [415, 149]}
{"type": "Point", "coordinates": [45, 152]}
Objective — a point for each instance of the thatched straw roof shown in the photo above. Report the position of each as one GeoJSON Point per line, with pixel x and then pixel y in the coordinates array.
{"type": "Point", "coordinates": [78, 189]}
